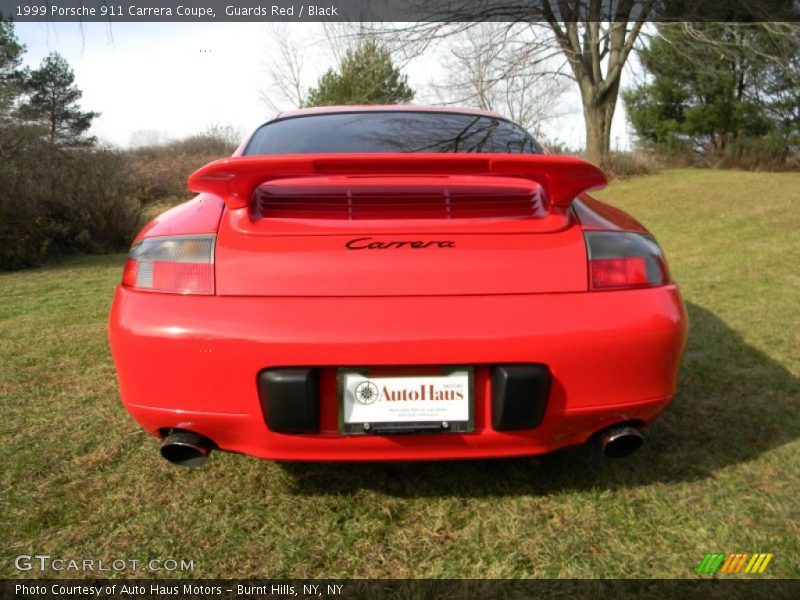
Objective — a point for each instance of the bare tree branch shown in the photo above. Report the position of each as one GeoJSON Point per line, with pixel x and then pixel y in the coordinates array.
{"type": "Point", "coordinates": [483, 72]}
{"type": "Point", "coordinates": [285, 70]}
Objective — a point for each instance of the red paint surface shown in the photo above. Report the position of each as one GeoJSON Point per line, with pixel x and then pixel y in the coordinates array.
{"type": "Point", "coordinates": [191, 362]}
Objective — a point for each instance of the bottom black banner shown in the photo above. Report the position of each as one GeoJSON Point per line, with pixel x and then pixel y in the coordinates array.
{"type": "Point", "coordinates": [346, 589]}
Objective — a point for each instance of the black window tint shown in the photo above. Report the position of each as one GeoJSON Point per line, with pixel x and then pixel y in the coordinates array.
{"type": "Point", "coordinates": [391, 132]}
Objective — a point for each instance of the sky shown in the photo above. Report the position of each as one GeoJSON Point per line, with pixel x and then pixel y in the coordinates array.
{"type": "Point", "coordinates": [178, 79]}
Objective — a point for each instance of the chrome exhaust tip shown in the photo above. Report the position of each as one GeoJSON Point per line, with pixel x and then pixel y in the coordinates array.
{"type": "Point", "coordinates": [618, 442]}
{"type": "Point", "coordinates": [186, 449]}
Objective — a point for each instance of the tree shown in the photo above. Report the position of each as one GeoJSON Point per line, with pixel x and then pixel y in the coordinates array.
{"type": "Point", "coordinates": [285, 68]}
{"type": "Point", "coordinates": [14, 137]}
{"type": "Point", "coordinates": [715, 83]}
{"type": "Point", "coordinates": [10, 58]}
{"type": "Point", "coordinates": [483, 74]}
{"type": "Point", "coordinates": [587, 44]}
{"type": "Point", "coordinates": [52, 99]}
{"type": "Point", "coordinates": [592, 38]}
{"type": "Point", "coordinates": [366, 75]}
{"type": "Point", "coordinates": [52, 201]}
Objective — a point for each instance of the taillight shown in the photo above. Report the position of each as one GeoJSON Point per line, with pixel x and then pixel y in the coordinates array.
{"type": "Point", "coordinates": [620, 260]}
{"type": "Point", "coordinates": [173, 265]}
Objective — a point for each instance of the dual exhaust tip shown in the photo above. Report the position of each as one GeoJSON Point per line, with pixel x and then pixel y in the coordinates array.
{"type": "Point", "coordinates": [189, 449]}
{"type": "Point", "coordinates": [618, 442]}
{"type": "Point", "coordinates": [186, 448]}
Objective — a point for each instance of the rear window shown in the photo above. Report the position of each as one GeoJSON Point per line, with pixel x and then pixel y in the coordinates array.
{"type": "Point", "coordinates": [391, 132]}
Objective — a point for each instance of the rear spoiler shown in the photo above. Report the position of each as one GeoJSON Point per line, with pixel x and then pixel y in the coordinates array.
{"type": "Point", "coordinates": [235, 179]}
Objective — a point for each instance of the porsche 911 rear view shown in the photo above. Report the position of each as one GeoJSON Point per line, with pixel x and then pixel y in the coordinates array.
{"type": "Point", "coordinates": [395, 283]}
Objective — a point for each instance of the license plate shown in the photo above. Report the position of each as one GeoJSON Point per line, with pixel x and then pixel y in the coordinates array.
{"type": "Point", "coordinates": [372, 401]}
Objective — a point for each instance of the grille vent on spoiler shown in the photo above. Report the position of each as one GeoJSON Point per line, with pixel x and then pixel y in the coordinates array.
{"type": "Point", "coordinates": [363, 198]}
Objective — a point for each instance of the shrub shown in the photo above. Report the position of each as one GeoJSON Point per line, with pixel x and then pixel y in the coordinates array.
{"type": "Point", "coordinates": [557, 147]}
{"type": "Point", "coordinates": [161, 171]}
{"type": "Point", "coordinates": [99, 194]}
{"type": "Point", "coordinates": [56, 201]}
{"type": "Point", "coordinates": [620, 165]}
{"type": "Point", "coordinates": [764, 153]}
{"type": "Point", "coordinates": [672, 152]}
{"type": "Point", "coordinates": [759, 154]}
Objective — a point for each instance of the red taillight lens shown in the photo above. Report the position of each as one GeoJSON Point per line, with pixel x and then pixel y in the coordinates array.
{"type": "Point", "coordinates": [175, 265]}
{"type": "Point", "coordinates": [619, 260]}
{"type": "Point", "coordinates": [129, 273]}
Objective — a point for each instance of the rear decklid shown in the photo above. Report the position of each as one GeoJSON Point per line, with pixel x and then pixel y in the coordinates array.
{"type": "Point", "coordinates": [398, 224]}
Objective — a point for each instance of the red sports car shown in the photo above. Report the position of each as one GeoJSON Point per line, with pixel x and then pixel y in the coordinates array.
{"type": "Point", "coordinates": [395, 283]}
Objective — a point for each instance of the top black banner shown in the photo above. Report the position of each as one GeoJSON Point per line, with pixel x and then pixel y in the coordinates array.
{"type": "Point", "coordinates": [401, 10]}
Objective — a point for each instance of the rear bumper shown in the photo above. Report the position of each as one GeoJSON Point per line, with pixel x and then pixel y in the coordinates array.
{"type": "Point", "coordinates": [192, 362]}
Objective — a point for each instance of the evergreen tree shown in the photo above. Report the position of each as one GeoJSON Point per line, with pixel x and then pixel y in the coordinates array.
{"type": "Point", "coordinates": [714, 84]}
{"type": "Point", "coordinates": [52, 100]}
{"type": "Point", "coordinates": [10, 57]}
{"type": "Point", "coordinates": [366, 75]}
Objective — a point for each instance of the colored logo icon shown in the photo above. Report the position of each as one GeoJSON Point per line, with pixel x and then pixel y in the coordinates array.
{"type": "Point", "coordinates": [733, 563]}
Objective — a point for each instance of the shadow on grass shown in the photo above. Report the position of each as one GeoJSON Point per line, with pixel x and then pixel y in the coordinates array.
{"type": "Point", "coordinates": [734, 403]}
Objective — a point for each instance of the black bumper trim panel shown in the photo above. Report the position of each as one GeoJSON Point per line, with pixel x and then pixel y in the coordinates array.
{"type": "Point", "coordinates": [519, 396]}
{"type": "Point", "coordinates": [290, 399]}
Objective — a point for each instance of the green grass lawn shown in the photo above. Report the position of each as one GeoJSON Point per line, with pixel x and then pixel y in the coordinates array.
{"type": "Point", "coordinates": [720, 472]}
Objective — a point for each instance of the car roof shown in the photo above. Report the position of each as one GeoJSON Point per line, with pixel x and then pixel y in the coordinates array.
{"type": "Point", "coordinates": [317, 110]}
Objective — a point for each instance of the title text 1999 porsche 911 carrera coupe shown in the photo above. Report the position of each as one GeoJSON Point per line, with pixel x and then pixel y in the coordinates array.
{"type": "Point", "coordinates": [395, 283]}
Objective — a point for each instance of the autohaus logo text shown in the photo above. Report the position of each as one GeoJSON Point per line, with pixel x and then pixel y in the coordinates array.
{"type": "Point", "coordinates": [368, 392]}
